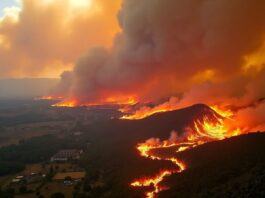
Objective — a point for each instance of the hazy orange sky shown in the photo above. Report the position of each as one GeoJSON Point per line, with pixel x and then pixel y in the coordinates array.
{"type": "Point", "coordinates": [44, 38]}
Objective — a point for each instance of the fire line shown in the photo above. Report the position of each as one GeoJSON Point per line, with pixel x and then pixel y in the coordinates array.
{"type": "Point", "coordinates": [202, 131]}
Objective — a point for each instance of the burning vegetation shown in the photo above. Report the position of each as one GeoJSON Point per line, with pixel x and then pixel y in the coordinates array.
{"type": "Point", "coordinates": [116, 100]}
{"type": "Point", "coordinates": [211, 127]}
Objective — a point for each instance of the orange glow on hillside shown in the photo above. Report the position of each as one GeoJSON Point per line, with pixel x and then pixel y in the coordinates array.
{"type": "Point", "coordinates": [146, 111]}
{"type": "Point", "coordinates": [143, 113]}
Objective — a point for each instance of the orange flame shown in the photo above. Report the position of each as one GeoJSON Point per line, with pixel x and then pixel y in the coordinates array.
{"type": "Point", "coordinates": [171, 105]}
{"type": "Point", "coordinates": [203, 131]}
{"type": "Point", "coordinates": [70, 103]}
{"type": "Point", "coordinates": [155, 181]}
{"type": "Point", "coordinates": [225, 113]}
{"type": "Point", "coordinates": [143, 113]}
{"type": "Point", "coordinates": [115, 100]}
{"type": "Point", "coordinates": [146, 111]}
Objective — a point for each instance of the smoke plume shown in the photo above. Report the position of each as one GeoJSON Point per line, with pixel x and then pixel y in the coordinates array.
{"type": "Point", "coordinates": [195, 51]}
{"type": "Point", "coordinates": [208, 50]}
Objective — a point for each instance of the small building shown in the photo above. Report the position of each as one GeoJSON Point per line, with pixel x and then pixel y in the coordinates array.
{"type": "Point", "coordinates": [66, 155]}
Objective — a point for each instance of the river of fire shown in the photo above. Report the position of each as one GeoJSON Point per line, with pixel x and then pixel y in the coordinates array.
{"type": "Point", "coordinates": [203, 131]}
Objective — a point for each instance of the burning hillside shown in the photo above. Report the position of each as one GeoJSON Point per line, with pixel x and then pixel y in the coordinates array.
{"type": "Point", "coordinates": [207, 127]}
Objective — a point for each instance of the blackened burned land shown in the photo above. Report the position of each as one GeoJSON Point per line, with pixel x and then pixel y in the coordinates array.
{"type": "Point", "coordinates": [111, 159]}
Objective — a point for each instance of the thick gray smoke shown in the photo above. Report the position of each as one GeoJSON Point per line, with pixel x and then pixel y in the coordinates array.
{"type": "Point", "coordinates": [209, 51]}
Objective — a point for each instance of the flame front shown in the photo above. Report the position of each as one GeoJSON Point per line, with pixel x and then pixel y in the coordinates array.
{"type": "Point", "coordinates": [111, 100]}
{"type": "Point", "coordinates": [225, 113]}
{"type": "Point", "coordinates": [67, 103]}
{"type": "Point", "coordinates": [146, 111]}
{"type": "Point", "coordinates": [201, 132]}
{"type": "Point", "coordinates": [155, 181]}
{"type": "Point", "coordinates": [171, 105]}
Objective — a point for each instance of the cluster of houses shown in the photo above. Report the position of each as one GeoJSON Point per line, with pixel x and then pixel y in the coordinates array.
{"type": "Point", "coordinates": [68, 177]}
{"type": "Point", "coordinates": [69, 155]}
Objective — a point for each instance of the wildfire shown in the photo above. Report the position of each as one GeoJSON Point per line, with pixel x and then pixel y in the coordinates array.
{"type": "Point", "coordinates": [225, 113]}
{"type": "Point", "coordinates": [170, 105]}
{"type": "Point", "coordinates": [115, 100]}
{"type": "Point", "coordinates": [143, 113]}
{"type": "Point", "coordinates": [155, 181]}
{"type": "Point", "coordinates": [70, 103]}
{"type": "Point", "coordinates": [146, 111]}
{"type": "Point", "coordinates": [201, 132]}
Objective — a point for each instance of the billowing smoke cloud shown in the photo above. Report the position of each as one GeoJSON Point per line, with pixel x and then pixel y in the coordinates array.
{"type": "Point", "coordinates": [209, 51]}
{"type": "Point", "coordinates": [167, 47]}
{"type": "Point", "coordinates": [249, 119]}
{"type": "Point", "coordinates": [45, 37]}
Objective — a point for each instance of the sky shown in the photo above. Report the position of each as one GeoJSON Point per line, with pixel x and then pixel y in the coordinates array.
{"type": "Point", "coordinates": [7, 3]}
{"type": "Point", "coordinates": [44, 38]}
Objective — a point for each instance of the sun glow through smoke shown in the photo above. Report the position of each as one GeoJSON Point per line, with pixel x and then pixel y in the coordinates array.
{"type": "Point", "coordinates": [81, 3]}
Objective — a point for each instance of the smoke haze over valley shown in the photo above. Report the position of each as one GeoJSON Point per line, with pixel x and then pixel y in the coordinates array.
{"type": "Point", "coordinates": [26, 88]}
